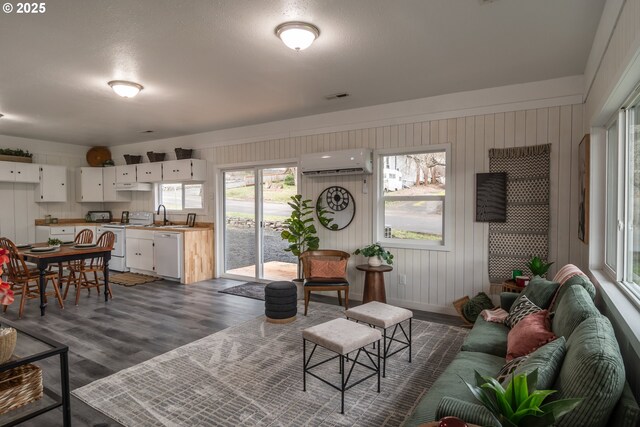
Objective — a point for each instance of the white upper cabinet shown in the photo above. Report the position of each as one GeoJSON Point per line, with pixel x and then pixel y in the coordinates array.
{"type": "Point", "coordinates": [150, 172]}
{"type": "Point", "coordinates": [126, 174]}
{"type": "Point", "coordinates": [89, 185]}
{"type": "Point", "coordinates": [19, 172]}
{"type": "Point", "coordinates": [53, 184]}
{"type": "Point", "coordinates": [184, 170]}
{"type": "Point", "coordinates": [109, 187]}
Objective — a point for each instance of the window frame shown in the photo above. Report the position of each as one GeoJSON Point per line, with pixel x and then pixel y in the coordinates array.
{"type": "Point", "coordinates": [616, 272]}
{"type": "Point", "coordinates": [378, 211]}
{"type": "Point", "coordinates": [201, 211]}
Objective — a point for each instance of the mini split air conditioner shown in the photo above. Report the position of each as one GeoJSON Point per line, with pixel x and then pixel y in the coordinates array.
{"type": "Point", "coordinates": [345, 162]}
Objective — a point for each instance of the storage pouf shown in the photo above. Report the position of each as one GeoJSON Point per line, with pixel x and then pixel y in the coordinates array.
{"type": "Point", "coordinates": [280, 302]}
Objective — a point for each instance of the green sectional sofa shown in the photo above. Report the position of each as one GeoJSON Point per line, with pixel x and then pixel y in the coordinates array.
{"type": "Point", "coordinates": [591, 367]}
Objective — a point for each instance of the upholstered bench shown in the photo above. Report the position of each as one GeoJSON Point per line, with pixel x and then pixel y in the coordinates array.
{"type": "Point", "coordinates": [280, 302]}
{"type": "Point", "coordinates": [385, 316]}
{"type": "Point", "coordinates": [342, 337]}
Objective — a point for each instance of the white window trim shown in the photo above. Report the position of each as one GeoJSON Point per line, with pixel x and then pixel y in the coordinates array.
{"type": "Point", "coordinates": [184, 211]}
{"type": "Point", "coordinates": [617, 273]}
{"type": "Point", "coordinates": [378, 211]}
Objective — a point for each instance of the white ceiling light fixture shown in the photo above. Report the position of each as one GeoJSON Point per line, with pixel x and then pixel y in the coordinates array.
{"type": "Point", "coordinates": [297, 35]}
{"type": "Point", "coordinates": [124, 88]}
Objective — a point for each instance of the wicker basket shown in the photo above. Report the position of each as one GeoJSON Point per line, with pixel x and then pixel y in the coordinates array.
{"type": "Point", "coordinates": [155, 157]}
{"type": "Point", "coordinates": [183, 153]}
{"type": "Point", "coordinates": [7, 343]}
{"type": "Point", "coordinates": [132, 160]}
{"type": "Point", "coordinates": [19, 386]}
{"type": "Point", "coordinates": [458, 306]}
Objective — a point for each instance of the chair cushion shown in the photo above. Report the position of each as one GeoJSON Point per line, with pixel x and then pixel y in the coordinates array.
{"type": "Point", "coordinates": [341, 335]}
{"type": "Point", "coordinates": [571, 310]}
{"type": "Point", "coordinates": [531, 333]}
{"type": "Point", "coordinates": [379, 314]}
{"type": "Point", "coordinates": [519, 310]}
{"type": "Point", "coordinates": [487, 337]}
{"type": "Point", "coordinates": [329, 269]}
{"type": "Point", "coordinates": [320, 282]}
{"type": "Point", "coordinates": [540, 291]}
{"type": "Point", "coordinates": [592, 370]}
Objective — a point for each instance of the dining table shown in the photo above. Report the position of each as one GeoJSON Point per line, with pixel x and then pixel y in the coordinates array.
{"type": "Point", "coordinates": [62, 255]}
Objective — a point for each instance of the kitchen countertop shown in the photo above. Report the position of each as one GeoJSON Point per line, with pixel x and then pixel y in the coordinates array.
{"type": "Point", "coordinates": [68, 223]}
{"type": "Point", "coordinates": [172, 229]}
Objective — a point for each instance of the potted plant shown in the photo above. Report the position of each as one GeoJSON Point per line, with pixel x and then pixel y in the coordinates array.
{"type": "Point", "coordinates": [376, 255]}
{"type": "Point", "coordinates": [521, 404]}
{"type": "Point", "coordinates": [17, 155]}
{"type": "Point", "coordinates": [8, 336]}
{"type": "Point", "coordinates": [538, 267]}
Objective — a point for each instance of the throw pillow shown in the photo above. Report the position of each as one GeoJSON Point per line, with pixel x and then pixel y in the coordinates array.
{"type": "Point", "coordinates": [504, 376]}
{"type": "Point", "coordinates": [530, 333]}
{"type": "Point", "coordinates": [519, 310]}
{"type": "Point", "coordinates": [327, 269]}
{"type": "Point", "coordinates": [472, 308]}
{"type": "Point", "coordinates": [540, 291]}
{"type": "Point", "coordinates": [547, 359]}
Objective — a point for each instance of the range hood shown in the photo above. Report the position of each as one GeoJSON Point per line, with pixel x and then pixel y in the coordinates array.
{"type": "Point", "coordinates": [134, 186]}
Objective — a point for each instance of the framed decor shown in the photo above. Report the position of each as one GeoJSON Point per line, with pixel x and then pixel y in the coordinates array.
{"type": "Point", "coordinates": [491, 197]}
{"type": "Point", "coordinates": [338, 204]}
{"type": "Point", "coordinates": [584, 150]}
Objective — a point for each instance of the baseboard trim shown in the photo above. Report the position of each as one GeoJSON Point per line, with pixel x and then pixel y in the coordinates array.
{"type": "Point", "coordinates": [432, 308]}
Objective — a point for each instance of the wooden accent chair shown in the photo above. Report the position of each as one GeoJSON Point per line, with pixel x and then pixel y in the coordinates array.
{"type": "Point", "coordinates": [24, 281]}
{"type": "Point", "coordinates": [78, 271]}
{"type": "Point", "coordinates": [83, 237]}
{"type": "Point", "coordinates": [317, 284]}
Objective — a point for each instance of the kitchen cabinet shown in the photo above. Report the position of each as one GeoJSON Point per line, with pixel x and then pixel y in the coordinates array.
{"type": "Point", "coordinates": [184, 170]}
{"type": "Point", "coordinates": [140, 250]}
{"type": "Point", "coordinates": [150, 172]}
{"type": "Point", "coordinates": [19, 172]}
{"type": "Point", "coordinates": [109, 192]}
{"type": "Point", "coordinates": [65, 233]}
{"type": "Point", "coordinates": [126, 174]}
{"type": "Point", "coordinates": [89, 185]}
{"type": "Point", "coordinates": [53, 184]}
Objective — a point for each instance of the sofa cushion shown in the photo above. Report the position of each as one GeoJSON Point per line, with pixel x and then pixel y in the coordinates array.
{"type": "Point", "coordinates": [468, 411]}
{"type": "Point", "coordinates": [519, 310]}
{"type": "Point", "coordinates": [579, 280]}
{"type": "Point", "coordinates": [540, 291]}
{"type": "Point", "coordinates": [531, 333]}
{"type": "Point", "coordinates": [574, 307]}
{"type": "Point", "coordinates": [487, 337]}
{"type": "Point", "coordinates": [626, 413]}
{"type": "Point", "coordinates": [450, 384]}
{"type": "Point", "coordinates": [592, 370]}
{"type": "Point", "coordinates": [547, 360]}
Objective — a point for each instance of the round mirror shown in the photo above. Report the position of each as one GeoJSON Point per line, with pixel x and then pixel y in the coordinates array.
{"type": "Point", "coordinates": [335, 208]}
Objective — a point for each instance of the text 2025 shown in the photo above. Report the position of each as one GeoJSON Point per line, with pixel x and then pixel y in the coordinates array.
{"type": "Point", "coordinates": [31, 7]}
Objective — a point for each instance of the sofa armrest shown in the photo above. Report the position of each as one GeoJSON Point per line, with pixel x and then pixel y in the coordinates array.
{"type": "Point", "coordinates": [467, 411]}
{"type": "Point", "coordinates": [507, 299]}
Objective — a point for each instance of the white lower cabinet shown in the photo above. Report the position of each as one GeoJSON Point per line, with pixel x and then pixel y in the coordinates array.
{"type": "Point", "coordinates": [140, 250]}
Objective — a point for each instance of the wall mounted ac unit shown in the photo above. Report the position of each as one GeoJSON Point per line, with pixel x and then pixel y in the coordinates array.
{"type": "Point", "coordinates": [346, 162]}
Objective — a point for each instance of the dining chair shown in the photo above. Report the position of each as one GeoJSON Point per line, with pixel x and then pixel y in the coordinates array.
{"type": "Point", "coordinates": [83, 237]}
{"type": "Point", "coordinates": [79, 271]}
{"type": "Point", "coordinates": [24, 281]}
{"type": "Point", "coordinates": [325, 270]}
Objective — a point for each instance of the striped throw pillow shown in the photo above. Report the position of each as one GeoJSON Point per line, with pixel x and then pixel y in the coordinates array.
{"type": "Point", "coordinates": [521, 309]}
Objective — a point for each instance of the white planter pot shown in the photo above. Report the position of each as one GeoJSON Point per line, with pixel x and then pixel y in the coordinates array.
{"type": "Point", "coordinates": [300, 287]}
{"type": "Point", "coordinates": [375, 261]}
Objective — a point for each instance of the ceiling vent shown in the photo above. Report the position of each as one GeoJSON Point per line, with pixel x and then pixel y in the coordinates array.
{"type": "Point", "coordinates": [336, 96]}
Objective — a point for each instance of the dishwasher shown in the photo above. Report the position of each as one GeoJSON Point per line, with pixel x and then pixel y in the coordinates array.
{"type": "Point", "coordinates": [168, 254]}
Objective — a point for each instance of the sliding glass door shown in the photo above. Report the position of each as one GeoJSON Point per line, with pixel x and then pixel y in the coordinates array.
{"type": "Point", "coordinates": [255, 205]}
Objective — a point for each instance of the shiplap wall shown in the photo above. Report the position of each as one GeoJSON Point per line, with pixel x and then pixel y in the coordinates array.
{"type": "Point", "coordinates": [434, 278]}
{"type": "Point", "coordinates": [19, 209]}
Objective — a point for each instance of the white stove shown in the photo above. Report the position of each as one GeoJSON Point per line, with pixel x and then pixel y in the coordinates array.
{"type": "Point", "coordinates": [118, 255]}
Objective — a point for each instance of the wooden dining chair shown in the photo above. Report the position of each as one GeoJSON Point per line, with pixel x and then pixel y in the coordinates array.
{"type": "Point", "coordinates": [24, 281]}
{"type": "Point", "coordinates": [80, 271]}
{"type": "Point", "coordinates": [325, 270]}
{"type": "Point", "coordinates": [83, 237]}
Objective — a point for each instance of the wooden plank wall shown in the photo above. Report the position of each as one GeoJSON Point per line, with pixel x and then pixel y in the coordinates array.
{"type": "Point", "coordinates": [434, 278]}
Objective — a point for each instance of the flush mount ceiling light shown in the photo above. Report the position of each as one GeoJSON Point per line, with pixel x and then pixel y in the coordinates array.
{"type": "Point", "coordinates": [297, 35]}
{"type": "Point", "coordinates": [124, 88]}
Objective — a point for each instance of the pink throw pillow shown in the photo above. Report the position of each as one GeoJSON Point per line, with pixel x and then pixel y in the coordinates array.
{"type": "Point", "coordinates": [327, 269]}
{"type": "Point", "coordinates": [529, 334]}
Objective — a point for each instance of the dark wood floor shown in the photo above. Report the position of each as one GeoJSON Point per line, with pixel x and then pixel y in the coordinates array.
{"type": "Point", "coordinates": [141, 322]}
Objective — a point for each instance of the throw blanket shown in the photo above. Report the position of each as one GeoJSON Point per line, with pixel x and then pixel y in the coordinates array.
{"type": "Point", "coordinates": [563, 275]}
{"type": "Point", "coordinates": [496, 315]}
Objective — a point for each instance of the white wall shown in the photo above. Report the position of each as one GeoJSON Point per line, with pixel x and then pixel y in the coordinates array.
{"type": "Point", "coordinates": [434, 278]}
{"type": "Point", "coordinates": [19, 210]}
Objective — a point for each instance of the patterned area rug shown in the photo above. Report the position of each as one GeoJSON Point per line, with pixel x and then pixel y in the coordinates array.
{"type": "Point", "coordinates": [248, 290]}
{"type": "Point", "coordinates": [132, 279]}
{"type": "Point", "coordinates": [251, 375]}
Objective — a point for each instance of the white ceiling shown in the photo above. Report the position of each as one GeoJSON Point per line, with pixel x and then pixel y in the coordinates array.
{"type": "Point", "coordinates": [215, 64]}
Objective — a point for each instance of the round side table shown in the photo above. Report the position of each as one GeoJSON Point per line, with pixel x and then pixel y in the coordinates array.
{"type": "Point", "coordinates": [374, 282]}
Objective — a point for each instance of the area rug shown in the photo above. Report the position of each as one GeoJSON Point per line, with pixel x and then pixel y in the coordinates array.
{"type": "Point", "coordinates": [252, 290]}
{"type": "Point", "coordinates": [251, 375]}
{"type": "Point", "coordinates": [132, 279]}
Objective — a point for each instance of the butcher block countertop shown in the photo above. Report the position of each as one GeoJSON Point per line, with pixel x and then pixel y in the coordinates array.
{"type": "Point", "coordinates": [181, 229]}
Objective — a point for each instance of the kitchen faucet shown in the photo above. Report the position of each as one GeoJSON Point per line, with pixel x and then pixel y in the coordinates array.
{"type": "Point", "coordinates": [164, 219]}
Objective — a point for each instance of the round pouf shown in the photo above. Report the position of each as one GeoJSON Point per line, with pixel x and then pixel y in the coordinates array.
{"type": "Point", "coordinates": [280, 302]}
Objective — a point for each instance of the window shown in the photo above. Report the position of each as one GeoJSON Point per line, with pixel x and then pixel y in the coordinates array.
{"type": "Point", "coordinates": [412, 197]}
{"type": "Point", "coordinates": [611, 230]}
{"type": "Point", "coordinates": [632, 238]}
{"type": "Point", "coordinates": [179, 197]}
